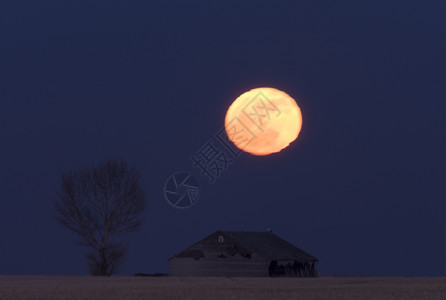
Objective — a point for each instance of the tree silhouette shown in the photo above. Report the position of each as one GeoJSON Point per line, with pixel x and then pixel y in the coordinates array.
{"type": "Point", "coordinates": [102, 204]}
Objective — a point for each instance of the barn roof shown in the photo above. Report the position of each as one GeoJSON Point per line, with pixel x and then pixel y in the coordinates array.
{"type": "Point", "coordinates": [267, 245]}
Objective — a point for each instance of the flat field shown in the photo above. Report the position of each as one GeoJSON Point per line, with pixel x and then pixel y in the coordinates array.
{"type": "Point", "coordinates": [86, 287]}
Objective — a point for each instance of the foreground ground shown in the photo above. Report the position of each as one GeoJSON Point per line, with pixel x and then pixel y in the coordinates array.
{"type": "Point", "coordinates": [65, 287]}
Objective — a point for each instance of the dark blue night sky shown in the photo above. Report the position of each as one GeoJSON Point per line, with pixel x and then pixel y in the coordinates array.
{"type": "Point", "coordinates": [362, 188]}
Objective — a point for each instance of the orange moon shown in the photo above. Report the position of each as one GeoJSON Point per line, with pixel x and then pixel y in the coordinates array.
{"type": "Point", "coordinates": [263, 121]}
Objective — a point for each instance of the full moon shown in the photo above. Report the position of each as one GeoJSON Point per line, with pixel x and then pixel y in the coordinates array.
{"type": "Point", "coordinates": [263, 121]}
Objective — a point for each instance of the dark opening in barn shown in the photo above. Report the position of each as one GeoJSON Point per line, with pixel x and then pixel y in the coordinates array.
{"type": "Point", "coordinates": [240, 253]}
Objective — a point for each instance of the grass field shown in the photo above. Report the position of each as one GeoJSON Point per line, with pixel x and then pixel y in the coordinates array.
{"type": "Point", "coordinates": [66, 287]}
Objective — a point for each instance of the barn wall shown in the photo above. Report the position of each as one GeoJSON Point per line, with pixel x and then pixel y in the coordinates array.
{"type": "Point", "coordinates": [210, 267]}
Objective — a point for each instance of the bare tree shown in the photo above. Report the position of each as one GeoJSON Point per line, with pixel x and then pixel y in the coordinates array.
{"type": "Point", "coordinates": [102, 204]}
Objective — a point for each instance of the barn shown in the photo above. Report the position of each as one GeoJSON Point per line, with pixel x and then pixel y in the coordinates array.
{"type": "Point", "coordinates": [242, 253]}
